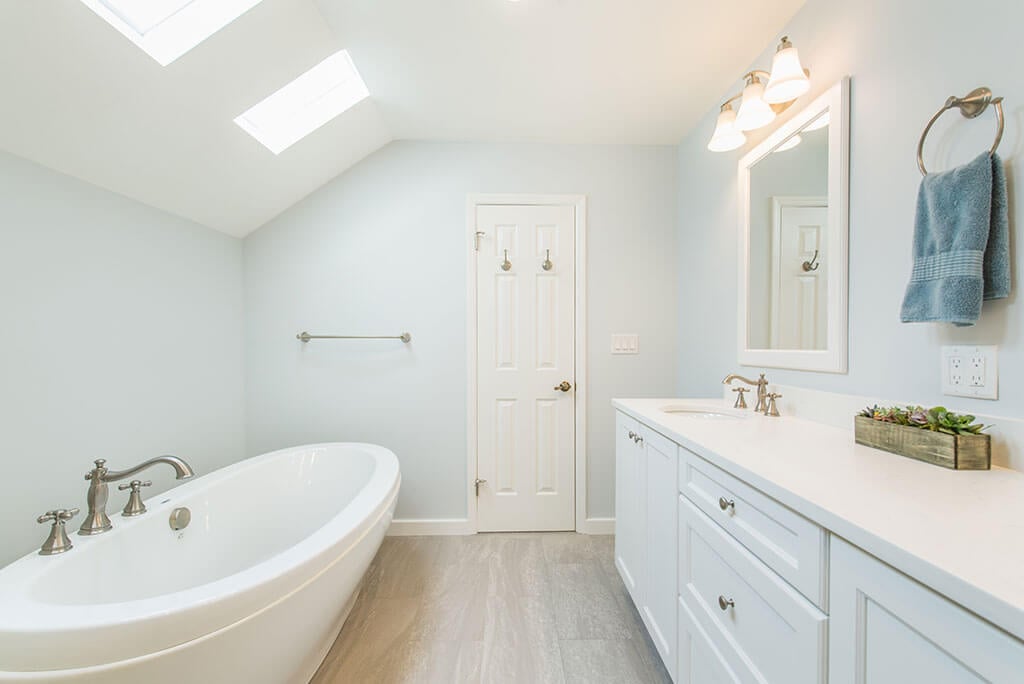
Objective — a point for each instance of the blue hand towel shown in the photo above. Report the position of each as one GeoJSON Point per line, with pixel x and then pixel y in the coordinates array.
{"type": "Point", "coordinates": [961, 243]}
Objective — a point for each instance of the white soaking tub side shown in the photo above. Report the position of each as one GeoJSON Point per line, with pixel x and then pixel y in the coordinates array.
{"type": "Point", "coordinates": [255, 589]}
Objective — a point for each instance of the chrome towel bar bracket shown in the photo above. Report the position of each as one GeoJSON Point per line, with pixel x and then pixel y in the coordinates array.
{"type": "Point", "coordinates": [306, 337]}
{"type": "Point", "coordinates": [971, 106]}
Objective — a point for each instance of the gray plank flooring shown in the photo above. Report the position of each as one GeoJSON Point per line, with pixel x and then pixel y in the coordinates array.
{"type": "Point", "coordinates": [516, 608]}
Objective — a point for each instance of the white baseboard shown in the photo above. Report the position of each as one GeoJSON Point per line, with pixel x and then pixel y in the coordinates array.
{"type": "Point", "coordinates": [430, 527]}
{"type": "Point", "coordinates": [597, 526]}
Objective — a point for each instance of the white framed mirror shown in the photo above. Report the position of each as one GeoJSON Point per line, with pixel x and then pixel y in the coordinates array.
{"type": "Point", "coordinates": [794, 196]}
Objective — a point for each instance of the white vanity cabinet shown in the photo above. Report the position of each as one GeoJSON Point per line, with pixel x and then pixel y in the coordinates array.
{"type": "Point", "coordinates": [661, 587]}
{"type": "Point", "coordinates": [630, 505]}
{"type": "Point", "coordinates": [887, 628]}
{"type": "Point", "coordinates": [645, 471]}
{"type": "Point", "coordinates": [735, 586]}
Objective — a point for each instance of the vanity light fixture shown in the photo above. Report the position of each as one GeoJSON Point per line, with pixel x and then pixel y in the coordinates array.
{"type": "Point", "coordinates": [726, 136]}
{"type": "Point", "coordinates": [765, 95]}
{"type": "Point", "coordinates": [754, 112]}
{"type": "Point", "coordinates": [788, 80]}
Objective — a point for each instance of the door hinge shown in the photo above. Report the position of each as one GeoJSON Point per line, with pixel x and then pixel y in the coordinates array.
{"type": "Point", "coordinates": [476, 483]}
{"type": "Point", "coordinates": [476, 239]}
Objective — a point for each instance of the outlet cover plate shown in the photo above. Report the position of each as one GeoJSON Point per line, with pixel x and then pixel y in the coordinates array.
{"type": "Point", "coordinates": [970, 371]}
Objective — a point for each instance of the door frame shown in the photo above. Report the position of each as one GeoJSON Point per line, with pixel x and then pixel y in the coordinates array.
{"type": "Point", "coordinates": [579, 203]}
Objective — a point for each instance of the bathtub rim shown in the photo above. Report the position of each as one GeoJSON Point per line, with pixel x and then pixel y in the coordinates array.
{"type": "Point", "coordinates": [174, 618]}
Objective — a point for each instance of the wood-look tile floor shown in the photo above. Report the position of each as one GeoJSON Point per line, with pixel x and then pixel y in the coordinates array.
{"type": "Point", "coordinates": [516, 608]}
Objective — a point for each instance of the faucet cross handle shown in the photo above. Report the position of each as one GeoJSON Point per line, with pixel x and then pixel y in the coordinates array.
{"type": "Point", "coordinates": [772, 409]}
{"type": "Point", "coordinates": [134, 506]}
{"type": "Point", "coordinates": [57, 541]}
{"type": "Point", "coordinates": [741, 403]}
{"type": "Point", "coordinates": [100, 469]}
{"type": "Point", "coordinates": [58, 515]}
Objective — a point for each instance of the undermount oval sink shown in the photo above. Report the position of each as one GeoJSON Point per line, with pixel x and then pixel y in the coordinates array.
{"type": "Point", "coordinates": [701, 412]}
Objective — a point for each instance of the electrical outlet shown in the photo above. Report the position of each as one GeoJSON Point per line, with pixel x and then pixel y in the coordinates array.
{"type": "Point", "coordinates": [970, 371]}
{"type": "Point", "coordinates": [625, 344]}
{"type": "Point", "coordinates": [956, 372]}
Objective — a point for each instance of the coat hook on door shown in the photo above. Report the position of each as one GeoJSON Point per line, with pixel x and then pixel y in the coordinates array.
{"type": "Point", "coordinates": [547, 260]}
{"type": "Point", "coordinates": [506, 264]}
{"type": "Point", "coordinates": [811, 265]}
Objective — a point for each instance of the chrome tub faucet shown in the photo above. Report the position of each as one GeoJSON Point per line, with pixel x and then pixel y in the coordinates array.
{"type": "Point", "coordinates": [762, 390]}
{"type": "Point", "coordinates": [96, 520]}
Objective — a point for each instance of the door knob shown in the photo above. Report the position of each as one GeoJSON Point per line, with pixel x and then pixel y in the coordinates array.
{"type": "Point", "coordinates": [565, 386]}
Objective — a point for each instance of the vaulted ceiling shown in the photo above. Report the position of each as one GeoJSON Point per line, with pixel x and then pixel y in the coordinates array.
{"type": "Point", "coordinates": [81, 98]}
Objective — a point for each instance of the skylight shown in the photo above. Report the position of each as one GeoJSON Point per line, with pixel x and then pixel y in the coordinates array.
{"type": "Point", "coordinates": [167, 29]}
{"type": "Point", "coordinates": [305, 104]}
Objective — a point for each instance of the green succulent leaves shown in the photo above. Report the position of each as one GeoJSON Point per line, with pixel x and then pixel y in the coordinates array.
{"type": "Point", "coordinates": [936, 419]}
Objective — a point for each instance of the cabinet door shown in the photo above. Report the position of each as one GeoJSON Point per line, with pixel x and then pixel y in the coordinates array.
{"type": "Point", "coordinates": [630, 481]}
{"type": "Point", "coordinates": [888, 629]}
{"type": "Point", "coordinates": [661, 589]}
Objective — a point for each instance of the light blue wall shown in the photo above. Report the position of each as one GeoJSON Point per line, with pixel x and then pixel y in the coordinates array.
{"type": "Point", "coordinates": [121, 338]}
{"type": "Point", "coordinates": [383, 248]}
{"type": "Point", "coordinates": [905, 58]}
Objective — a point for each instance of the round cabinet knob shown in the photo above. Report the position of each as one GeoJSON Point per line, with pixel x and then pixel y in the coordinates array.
{"type": "Point", "coordinates": [726, 504]}
{"type": "Point", "coordinates": [724, 603]}
{"type": "Point", "coordinates": [632, 435]}
{"type": "Point", "coordinates": [564, 386]}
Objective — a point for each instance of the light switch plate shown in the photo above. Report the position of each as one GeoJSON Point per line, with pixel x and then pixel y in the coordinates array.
{"type": "Point", "coordinates": [970, 371]}
{"type": "Point", "coordinates": [625, 344]}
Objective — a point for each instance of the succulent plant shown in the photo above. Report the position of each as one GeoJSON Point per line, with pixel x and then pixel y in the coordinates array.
{"type": "Point", "coordinates": [936, 419]}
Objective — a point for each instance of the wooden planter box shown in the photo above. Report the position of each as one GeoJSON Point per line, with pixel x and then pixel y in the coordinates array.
{"type": "Point", "coordinates": [960, 452]}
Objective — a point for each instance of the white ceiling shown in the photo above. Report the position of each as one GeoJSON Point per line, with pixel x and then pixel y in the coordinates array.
{"type": "Point", "coordinates": [81, 98]}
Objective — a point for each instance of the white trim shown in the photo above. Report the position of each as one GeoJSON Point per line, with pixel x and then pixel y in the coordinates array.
{"type": "Point", "coordinates": [579, 202]}
{"type": "Point", "coordinates": [430, 527]}
{"type": "Point", "coordinates": [597, 526]}
{"type": "Point", "coordinates": [833, 358]}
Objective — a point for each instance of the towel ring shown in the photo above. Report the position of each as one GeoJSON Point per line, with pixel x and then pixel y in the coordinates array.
{"type": "Point", "coordinates": [976, 102]}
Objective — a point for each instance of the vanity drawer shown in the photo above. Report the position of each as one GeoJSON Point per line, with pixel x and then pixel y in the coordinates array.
{"type": "Point", "coordinates": [699, 661]}
{"type": "Point", "coordinates": [768, 629]}
{"type": "Point", "coordinates": [787, 542]}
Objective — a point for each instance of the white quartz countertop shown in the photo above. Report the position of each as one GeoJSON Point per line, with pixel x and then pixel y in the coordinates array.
{"type": "Point", "coordinates": [959, 532]}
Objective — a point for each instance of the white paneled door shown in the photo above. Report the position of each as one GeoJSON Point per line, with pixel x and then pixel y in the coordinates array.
{"type": "Point", "coordinates": [526, 382]}
{"type": "Point", "coordinates": [799, 278]}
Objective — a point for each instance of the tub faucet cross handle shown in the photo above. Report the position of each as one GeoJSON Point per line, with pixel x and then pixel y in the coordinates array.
{"type": "Point", "coordinates": [58, 541]}
{"type": "Point", "coordinates": [134, 506]}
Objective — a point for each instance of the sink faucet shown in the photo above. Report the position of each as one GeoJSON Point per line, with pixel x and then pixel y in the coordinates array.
{"type": "Point", "coordinates": [762, 389]}
{"type": "Point", "coordinates": [96, 521]}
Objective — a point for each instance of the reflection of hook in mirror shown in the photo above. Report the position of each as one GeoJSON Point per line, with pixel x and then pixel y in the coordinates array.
{"type": "Point", "coordinates": [506, 264]}
{"type": "Point", "coordinates": [547, 260]}
{"type": "Point", "coordinates": [811, 265]}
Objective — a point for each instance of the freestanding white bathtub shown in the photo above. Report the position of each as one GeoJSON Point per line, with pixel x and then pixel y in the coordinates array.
{"type": "Point", "coordinates": [255, 589]}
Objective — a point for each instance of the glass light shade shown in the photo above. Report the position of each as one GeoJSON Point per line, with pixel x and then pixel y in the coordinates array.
{"type": "Point", "coordinates": [789, 144]}
{"type": "Point", "coordinates": [726, 137]}
{"type": "Point", "coordinates": [754, 111]}
{"type": "Point", "coordinates": [788, 80]}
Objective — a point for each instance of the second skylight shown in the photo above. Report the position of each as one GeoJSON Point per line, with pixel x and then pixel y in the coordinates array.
{"type": "Point", "coordinates": [305, 104]}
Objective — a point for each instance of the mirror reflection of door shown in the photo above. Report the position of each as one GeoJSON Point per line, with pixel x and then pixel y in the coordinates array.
{"type": "Point", "coordinates": [787, 306]}
{"type": "Point", "coordinates": [799, 316]}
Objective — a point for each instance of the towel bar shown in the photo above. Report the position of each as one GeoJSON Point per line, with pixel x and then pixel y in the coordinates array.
{"type": "Point", "coordinates": [976, 102]}
{"type": "Point", "coordinates": [306, 337]}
